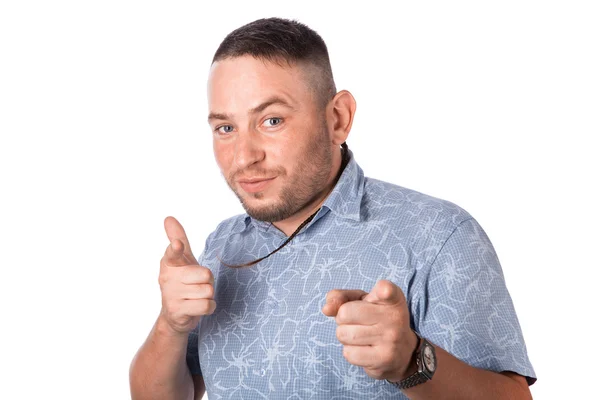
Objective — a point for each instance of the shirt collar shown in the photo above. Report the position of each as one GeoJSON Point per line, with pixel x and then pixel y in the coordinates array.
{"type": "Point", "coordinates": [344, 200]}
{"type": "Point", "coordinates": [346, 197]}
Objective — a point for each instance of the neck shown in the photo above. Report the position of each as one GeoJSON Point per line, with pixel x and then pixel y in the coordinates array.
{"type": "Point", "coordinates": [289, 225]}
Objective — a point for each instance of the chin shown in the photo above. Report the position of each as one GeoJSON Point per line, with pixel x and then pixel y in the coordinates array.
{"type": "Point", "coordinates": [267, 212]}
{"type": "Point", "coordinates": [256, 202]}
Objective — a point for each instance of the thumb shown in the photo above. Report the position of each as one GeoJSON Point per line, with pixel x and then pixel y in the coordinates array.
{"type": "Point", "coordinates": [385, 292]}
{"type": "Point", "coordinates": [175, 232]}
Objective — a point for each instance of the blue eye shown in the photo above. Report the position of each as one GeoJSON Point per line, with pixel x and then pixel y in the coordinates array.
{"type": "Point", "coordinates": [225, 129]}
{"type": "Point", "coordinates": [272, 121]}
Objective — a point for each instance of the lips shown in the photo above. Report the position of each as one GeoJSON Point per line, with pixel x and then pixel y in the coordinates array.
{"type": "Point", "coordinates": [255, 185]}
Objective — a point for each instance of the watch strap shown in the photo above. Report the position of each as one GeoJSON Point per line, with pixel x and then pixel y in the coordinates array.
{"type": "Point", "coordinates": [420, 376]}
{"type": "Point", "coordinates": [415, 379]}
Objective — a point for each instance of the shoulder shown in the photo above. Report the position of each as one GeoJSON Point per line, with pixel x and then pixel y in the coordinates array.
{"type": "Point", "coordinates": [225, 228]}
{"type": "Point", "coordinates": [384, 200]}
{"type": "Point", "coordinates": [219, 236]}
{"type": "Point", "coordinates": [218, 239]}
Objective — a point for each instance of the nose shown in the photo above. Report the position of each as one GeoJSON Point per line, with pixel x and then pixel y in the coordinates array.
{"type": "Point", "coordinates": [248, 149]}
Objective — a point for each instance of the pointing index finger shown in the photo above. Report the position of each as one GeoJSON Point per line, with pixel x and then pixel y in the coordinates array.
{"type": "Point", "coordinates": [175, 255]}
{"type": "Point", "coordinates": [385, 292]}
{"type": "Point", "coordinates": [335, 298]}
{"type": "Point", "coordinates": [175, 231]}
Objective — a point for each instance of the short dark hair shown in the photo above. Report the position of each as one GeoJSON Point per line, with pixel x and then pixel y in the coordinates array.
{"type": "Point", "coordinates": [282, 40]}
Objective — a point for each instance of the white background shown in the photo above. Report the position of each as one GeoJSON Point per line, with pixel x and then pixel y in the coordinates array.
{"type": "Point", "coordinates": [492, 105]}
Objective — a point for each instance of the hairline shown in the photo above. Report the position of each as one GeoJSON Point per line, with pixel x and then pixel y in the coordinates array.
{"type": "Point", "coordinates": [321, 95]}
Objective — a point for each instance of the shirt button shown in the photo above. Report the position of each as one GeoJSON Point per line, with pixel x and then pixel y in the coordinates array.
{"type": "Point", "coordinates": [263, 372]}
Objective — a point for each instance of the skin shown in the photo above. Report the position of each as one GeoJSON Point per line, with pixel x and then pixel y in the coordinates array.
{"type": "Point", "coordinates": [306, 143]}
{"type": "Point", "coordinates": [267, 123]}
{"type": "Point", "coordinates": [279, 150]}
{"type": "Point", "coordinates": [159, 369]}
{"type": "Point", "coordinates": [375, 331]}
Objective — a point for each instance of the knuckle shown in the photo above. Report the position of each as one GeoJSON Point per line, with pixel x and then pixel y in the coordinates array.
{"type": "Point", "coordinates": [203, 306]}
{"type": "Point", "coordinates": [163, 279]}
{"type": "Point", "coordinates": [204, 274]}
{"type": "Point", "coordinates": [213, 306]}
{"type": "Point", "coordinates": [340, 333]}
{"type": "Point", "coordinates": [211, 278]}
{"type": "Point", "coordinates": [333, 294]}
{"type": "Point", "coordinates": [392, 336]}
{"type": "Point", "coordinates": [388, 357]}
{"type": "Point", "coordinates": [342, 314]}
{"type": "Point", "coordinates": [210, 291]}
{"type": "Point", "coordinates": [346, 353]}
{"type": "Point", "coordinates": [208, 307]}
{"type": "Point", "coordinates": [172, 309]}
{"type": "Point", "coordinates": [345, 312]}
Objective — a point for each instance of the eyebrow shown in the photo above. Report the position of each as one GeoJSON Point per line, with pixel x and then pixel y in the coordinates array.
{"type": "Point", "coordinates": [259, 108]}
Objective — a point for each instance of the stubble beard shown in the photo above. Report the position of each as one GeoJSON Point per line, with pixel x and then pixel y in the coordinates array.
{"type": "Point", "coordinates": [310, 177]}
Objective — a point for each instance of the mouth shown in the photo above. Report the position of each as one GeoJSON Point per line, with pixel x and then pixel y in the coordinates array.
{"type": "Point", "coordinates": [255, 185]}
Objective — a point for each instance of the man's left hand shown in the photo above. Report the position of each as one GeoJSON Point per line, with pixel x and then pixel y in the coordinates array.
{"type": "Point", "coordinates": [374, 329]}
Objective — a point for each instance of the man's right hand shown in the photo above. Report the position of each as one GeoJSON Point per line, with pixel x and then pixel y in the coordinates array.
{"type": "Point", "coordinates": [187, 288]}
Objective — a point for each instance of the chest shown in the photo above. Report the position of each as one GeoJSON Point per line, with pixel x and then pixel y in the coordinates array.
{"type": "Point", "coordinates": [268, 335]}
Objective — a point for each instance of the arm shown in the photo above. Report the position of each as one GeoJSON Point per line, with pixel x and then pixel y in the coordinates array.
{"type": "Point", "coordinates": [159, 369]}
{"type": "Point", "coordinates": [470, 315]}
{"type": "Point", "coordinates": [374, 329]}
{"type": "Point", "coordinates": [455, 379]}
{"type": "Point", "coordinates": [465, 308]}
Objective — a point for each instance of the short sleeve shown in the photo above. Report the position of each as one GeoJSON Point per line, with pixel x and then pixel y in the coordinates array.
{"type": "Point", "coordinates": [465, 306]}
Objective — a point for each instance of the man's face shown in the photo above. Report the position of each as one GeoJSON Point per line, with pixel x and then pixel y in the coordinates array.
{"type": "Point", "coordinates": [270, 136]}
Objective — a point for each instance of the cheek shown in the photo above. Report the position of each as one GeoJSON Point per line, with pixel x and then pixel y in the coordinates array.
{"type": "Point", "coordinates": [284, 153]}
{"type": "Point", "coordinates": [278, 155]}
{"type": "Point", "coordinates": [223, 156]}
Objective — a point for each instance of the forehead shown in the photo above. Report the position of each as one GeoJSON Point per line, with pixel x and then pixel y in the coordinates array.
{"type": "Point", "coordinates": [241, 82]}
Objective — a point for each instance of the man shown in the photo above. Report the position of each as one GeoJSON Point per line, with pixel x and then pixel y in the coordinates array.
{"type": "Point", "coordinates": [332, 285]}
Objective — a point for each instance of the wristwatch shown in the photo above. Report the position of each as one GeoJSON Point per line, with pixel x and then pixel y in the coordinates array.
{"type": "Point", "coordinates": [426, 365]}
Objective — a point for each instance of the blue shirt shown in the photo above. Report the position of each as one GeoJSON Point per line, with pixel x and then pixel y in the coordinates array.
{"type": "Point", "coordinates": [268, 337]}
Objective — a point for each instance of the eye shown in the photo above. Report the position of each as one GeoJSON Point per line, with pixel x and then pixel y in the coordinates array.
{"type": "Point", "coordinates": [270, 122]}
{"type": "Point", "coordinates": [224, 129]}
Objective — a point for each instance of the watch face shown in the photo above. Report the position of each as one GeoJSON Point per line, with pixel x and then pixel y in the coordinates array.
{"type": "Point", "coordinates": [429, 358]}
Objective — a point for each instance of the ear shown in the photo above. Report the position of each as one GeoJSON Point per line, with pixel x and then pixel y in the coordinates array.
{"type": "Point", "coordinates": [340, 116]}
